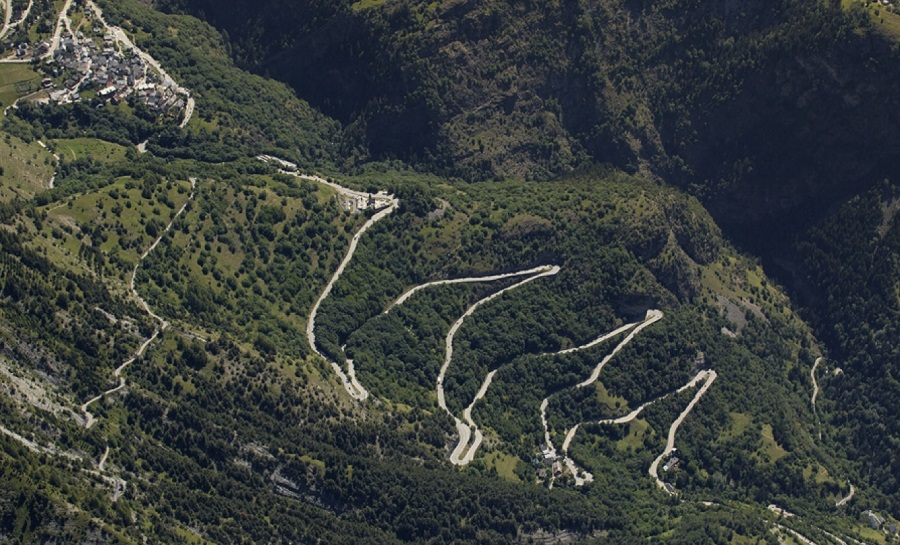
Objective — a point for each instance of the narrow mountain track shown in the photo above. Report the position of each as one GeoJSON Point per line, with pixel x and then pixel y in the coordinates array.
{"type": "Point", "coordinates": [55, 157]}
{"type": "Point", "coordinates": [162, 323]}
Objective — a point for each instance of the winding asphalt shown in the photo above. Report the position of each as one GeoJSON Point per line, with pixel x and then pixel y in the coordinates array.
{"type": "Point", "coordinates": [710, 377]}
{"type": "Point", "coordinates": [635, 413]}
{"type": "Point", "coordinates": [812, 374]}
{"type": "Point", "coordinates": [843, 501]}
{"type": "Point", "coordinates": [651, 317]}
{"type": "Point", "coordinates": [348, 379]}
{"type": "Point", "coordinates": [467, 414]}
{"type": "Point", "coordinates": [471, 279]}
{"type": "Point", "coordinates": [467, 430]}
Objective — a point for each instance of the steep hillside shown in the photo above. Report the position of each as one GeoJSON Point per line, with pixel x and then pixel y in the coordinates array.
{"type": "Point", "coordinates": [202, 344]}
{"type": "Point", "coordinates": [225, 402]}
{"type": "Point", "coordinates": [764, 110]}
{"type": "Point", "coordinates": [855, 258]}
{"type": "Point", "coordinates": [775, 115]}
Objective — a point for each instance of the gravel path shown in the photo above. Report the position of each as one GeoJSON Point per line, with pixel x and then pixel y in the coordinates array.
{"type": "Point", "coordinates": [55, 156]}
{"type": "Point", "coordinates": [163, 324]}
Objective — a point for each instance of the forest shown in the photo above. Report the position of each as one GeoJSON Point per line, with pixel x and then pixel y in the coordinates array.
{"type": "Point", "coordinates": [159, 384]}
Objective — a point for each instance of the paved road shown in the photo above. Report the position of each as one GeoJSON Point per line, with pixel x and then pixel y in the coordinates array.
{"type": "Point", "coordinates": [7, 18]}
{"type": "Point", "coordinates": [318, 179]}
{"type": "Point", "coordinates": [102, 463]}
{"type": "Point", "coordinates": [25, 13]}
{"type": "Point", "coordinates": [812, 373]}
{"type": "Point", "coordinates": [353, 387]}
{"type": "Point", "coordinates": [61, 22]}
{"type": "Point", "coordinates": [710, 377]}
{"type": "Point", "coordinates": [348, 379]}
{"type": "Point", "coordinates": [843, 501]}
{"type": "Point", "coordinates": [188, 110]}
{"type": "Point", "coordinates": [469, 430]}
{"type": "Point", "coordinates": [471, 279]}
{"type": "Point", "coordinates": [651, 317]}
{"type": "Point", "coordinates": [796, 534]}
{"type": "Point", "coordinates": [8, 23]}
{"type": "Point", "coordinates": [635, 413]}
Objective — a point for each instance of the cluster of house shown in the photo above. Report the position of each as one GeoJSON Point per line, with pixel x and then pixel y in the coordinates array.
{"type": "Point", "coordinates": [26, 50]}
{"type": "Point", "coordinates": [548, 460]}
{"type": "Point", "coordinates": [86, 64]}
{"type": "Point", "coordinates": [358, 202]}
{"type": "Point", "coordinates": [96, 63]}
{"type": "Point", "coordinates": [876, 521]}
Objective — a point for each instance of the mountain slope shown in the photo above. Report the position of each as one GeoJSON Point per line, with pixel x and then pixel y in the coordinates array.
{"type": "Point", "coordinates": [774, 115]}
{"type": "Point", "coordinates": [158, 384]}
{"type": "Point", "coordinates": [738, 102]}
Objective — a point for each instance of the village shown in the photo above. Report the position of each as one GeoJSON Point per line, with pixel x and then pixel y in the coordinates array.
{"type": "Point", "coordinates": [92, 63]}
